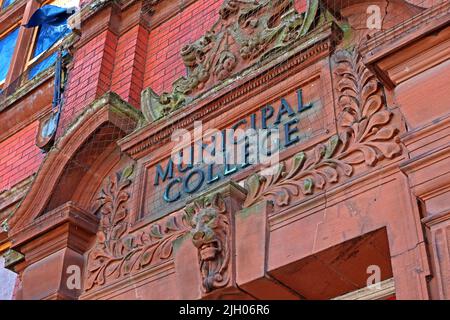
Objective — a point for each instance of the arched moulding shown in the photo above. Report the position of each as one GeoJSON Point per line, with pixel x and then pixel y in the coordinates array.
{"type": "Point", "coordinates": [109, 111]}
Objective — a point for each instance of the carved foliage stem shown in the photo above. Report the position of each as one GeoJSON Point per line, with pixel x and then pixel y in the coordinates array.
{"type": "Point", "coordinates": [117, 252]}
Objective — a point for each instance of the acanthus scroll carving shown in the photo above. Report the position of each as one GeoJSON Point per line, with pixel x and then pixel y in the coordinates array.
{"type": "Point", "coordinates": [367, 135]}
{"type": "Point", "coordinates": [247, 32]}
{"type": "Point", "coordinates": [210, 230]}
{"type": "Point", "coordinates": [117, 252]}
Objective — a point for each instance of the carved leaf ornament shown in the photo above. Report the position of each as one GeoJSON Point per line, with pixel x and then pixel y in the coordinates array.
{"type": "Point", "coordinates": [367, 136]}
{"type": "Point", "coordinates": [117, 253]}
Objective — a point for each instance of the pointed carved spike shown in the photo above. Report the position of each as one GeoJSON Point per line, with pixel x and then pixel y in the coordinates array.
{"type": "Point", "coordinates": [128, 171]}
{"type": "Point", "coordinates": [155, 231]}
{"type": "Point", "coordinates": [308, 186]}
{"type": "Point", "coordinates": [331, 146]}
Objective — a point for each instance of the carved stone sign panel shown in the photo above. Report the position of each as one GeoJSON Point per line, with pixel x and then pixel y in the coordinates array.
{"type": "Point", "coordinates": [297, 116]}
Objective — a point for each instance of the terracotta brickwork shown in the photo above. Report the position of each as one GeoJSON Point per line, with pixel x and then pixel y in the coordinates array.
{"type": "Point", "coordinates": [163, 64]}
{"type": "Point", "coordinates": [362, 181]}
{"type": "Point", "coordinates": [20, 157]}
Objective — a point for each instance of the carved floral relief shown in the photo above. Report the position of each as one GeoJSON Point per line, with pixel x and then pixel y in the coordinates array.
{"type": "Point", "coordinates": [246, 32]}
{"type": "Point", "coordinates": [117, 252]}
{"type": "Point", "coordinates": [367, 135]}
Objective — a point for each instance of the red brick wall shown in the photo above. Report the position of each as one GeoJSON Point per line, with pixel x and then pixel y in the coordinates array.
{"type": "Point", "coordinates": [90, 76]}
{"type": "Point", "coordinates": [19, 157]}
{"type": "Point", "coordinates": [128, 73]}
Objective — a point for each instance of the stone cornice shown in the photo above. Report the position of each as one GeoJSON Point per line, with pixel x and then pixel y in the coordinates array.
{"type": "Point", "coordinates": [68, 212]}
{"type": "Point", "coordinates": [411, 47]}
{"type": "Point", "coordinates": [386, 289]}
{"type": "Point", "coordinates": [122, 285]}
{"type": "Point", "coordinates": [314, 46]}
{"type": "Point", "coordinates": [384, 43]}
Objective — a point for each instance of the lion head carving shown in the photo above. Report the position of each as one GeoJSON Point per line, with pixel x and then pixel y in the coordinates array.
{"type": "Point", "coordinates": [210, 231]}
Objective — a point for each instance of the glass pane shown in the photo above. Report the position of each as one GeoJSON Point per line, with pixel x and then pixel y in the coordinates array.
{"type": "Point", "coordinates": [7, 3]}
{"type": "Point", "coordinates": [41, 66]}
{"type": "Point", "coordinates": [7, 44]}
{"type": "Point", "coordinates": [48, 36]}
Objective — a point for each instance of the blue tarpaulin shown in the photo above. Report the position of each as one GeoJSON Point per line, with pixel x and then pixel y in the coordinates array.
{"type": "Point", "coordinates": [52, 21]}
{"type": "Point", "coordinates": [50, 15]}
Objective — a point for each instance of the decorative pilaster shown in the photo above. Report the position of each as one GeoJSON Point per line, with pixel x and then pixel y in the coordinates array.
{"type": "Point", "coordinates": [54, 247]}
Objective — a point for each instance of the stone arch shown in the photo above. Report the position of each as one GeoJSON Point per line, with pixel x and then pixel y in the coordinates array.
{"type": "Point", "coordinates": [101, 124]}
{"type": "Point", "coordinates": [54, 221]}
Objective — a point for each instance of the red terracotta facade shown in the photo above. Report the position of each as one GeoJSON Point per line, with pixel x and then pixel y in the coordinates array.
{"type": "Point", "coordinates": [362, 187]}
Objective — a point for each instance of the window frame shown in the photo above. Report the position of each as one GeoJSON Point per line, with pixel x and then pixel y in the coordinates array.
{"type": "Point", "coordinates": [30, 62]}
{"type": "Point", "coordinates": [1, 5]}
{"type": "Point", "coordinates": [2, 35]}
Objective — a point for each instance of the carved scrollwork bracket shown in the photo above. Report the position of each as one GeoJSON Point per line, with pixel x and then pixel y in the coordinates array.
{"type": "Point", "coordinates": [367, 135]}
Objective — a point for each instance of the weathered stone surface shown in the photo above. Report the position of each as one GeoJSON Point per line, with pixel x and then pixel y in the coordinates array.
{"type": "Point", "coordinates": [365, 185]}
